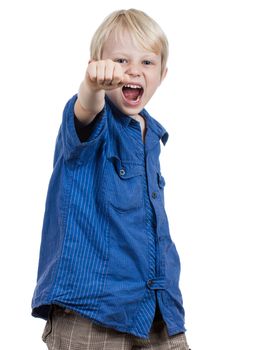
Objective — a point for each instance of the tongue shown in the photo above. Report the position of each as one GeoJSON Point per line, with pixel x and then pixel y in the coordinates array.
{"type": "Point", "coordinates": [131, 94]}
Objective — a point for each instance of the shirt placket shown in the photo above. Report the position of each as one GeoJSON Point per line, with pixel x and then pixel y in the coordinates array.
{"type": "Point", "coordinates": [155, 280]}
{"type": "Point", "coordinates": [158, 281]}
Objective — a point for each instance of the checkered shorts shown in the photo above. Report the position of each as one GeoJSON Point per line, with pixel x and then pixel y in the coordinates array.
{"type": "Point", "coordinates": [66, 330]}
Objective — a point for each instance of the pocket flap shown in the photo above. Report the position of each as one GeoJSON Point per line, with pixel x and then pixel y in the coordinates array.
{"type": "Point", "coordinates": [161, 180]}
{"type": "Point", "coordinates": [127, 170]}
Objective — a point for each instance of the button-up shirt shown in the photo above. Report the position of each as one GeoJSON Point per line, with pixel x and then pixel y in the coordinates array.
{"type": "Point", "coordinates": [106, 250]}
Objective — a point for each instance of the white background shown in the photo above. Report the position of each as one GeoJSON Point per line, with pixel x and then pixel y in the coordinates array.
{"type": "Point", "coordinates": [211, 103]}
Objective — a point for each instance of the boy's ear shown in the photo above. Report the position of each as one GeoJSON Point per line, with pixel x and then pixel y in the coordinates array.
{"type": "Point", "coordinates": [163, 75]}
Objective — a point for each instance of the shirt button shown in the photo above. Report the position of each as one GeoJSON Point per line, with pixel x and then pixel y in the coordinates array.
{"type": "Point", "coordinates": [149, 283]}
{"type": "Point", "coordinates": [122, 172]}
{"type": "Point", "coordinates": [154, 195]}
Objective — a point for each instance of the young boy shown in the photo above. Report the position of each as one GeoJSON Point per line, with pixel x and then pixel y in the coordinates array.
{"type": "Point", "coordinates": [108, 273]}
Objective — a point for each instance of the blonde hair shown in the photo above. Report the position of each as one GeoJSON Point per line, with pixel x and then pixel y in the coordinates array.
{"type": "Point", "coordinates": [143, 29]}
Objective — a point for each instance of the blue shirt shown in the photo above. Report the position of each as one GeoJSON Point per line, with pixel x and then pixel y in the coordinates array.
{"type": "Point", "coordinates": [106, 250]}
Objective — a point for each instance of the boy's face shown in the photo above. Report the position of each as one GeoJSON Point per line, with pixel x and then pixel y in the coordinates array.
{"type": "Point", "coordinates": [142, 66]}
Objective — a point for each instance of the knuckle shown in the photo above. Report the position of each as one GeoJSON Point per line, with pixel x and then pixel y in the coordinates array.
{"type": "Point", "coordinates": [91, 76]}
{"type": "Point", "coordinates": [101, 63]}
{"type": "Point", "coordinates": [100, 77]}
{"type": "Point", "coordinates": [108, 77]}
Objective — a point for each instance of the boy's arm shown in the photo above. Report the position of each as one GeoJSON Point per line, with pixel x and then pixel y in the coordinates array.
{"type": "Point", "coordinates": [86, 107]}
{"type": "Point", "coordinates": [88, 104]}
{"type": "Point", "coordinates": [100, 76]}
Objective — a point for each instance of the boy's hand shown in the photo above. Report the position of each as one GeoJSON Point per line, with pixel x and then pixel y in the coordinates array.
{"type": "Point", "coordinates": [100, 76]}
{"type": "Point", "coordinates": [105, 75]}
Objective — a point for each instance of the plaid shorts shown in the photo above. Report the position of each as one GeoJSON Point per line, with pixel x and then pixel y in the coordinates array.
{"type": "Point", "coordinates": [66, 330]}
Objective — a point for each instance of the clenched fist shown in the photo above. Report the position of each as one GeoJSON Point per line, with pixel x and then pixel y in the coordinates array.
{"type": "Point", "coordinates": [99, 76]}
{"type": "Point", "coordinates": [105, 75]}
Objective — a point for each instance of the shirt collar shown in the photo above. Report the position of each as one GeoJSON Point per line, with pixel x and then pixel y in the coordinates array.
{"type": "Point", "coordinates": [153, 124]}
{"type": "Point", "coordinates": [156, 127]}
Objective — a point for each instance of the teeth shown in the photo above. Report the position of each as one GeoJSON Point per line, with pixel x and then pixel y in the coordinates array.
{"type": "Point", "coordinates": [133, 86]}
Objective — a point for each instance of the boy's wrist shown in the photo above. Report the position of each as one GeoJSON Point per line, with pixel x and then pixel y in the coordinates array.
{"type": "Point", "coordinates": [89, 103]}
{"type": "Point", "coordinates": [89, 97]}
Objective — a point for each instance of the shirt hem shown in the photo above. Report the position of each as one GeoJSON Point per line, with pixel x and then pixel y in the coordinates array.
{"type": "Point", "coordinates": [37, 307]}
{"type": "Point", "coordinates": [175, 330]}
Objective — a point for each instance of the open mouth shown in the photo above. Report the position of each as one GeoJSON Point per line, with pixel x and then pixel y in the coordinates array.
{"type": "Point", "coordinates": [132, 93]}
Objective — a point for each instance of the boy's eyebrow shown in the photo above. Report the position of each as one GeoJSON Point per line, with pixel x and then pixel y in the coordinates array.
{"type": "Point", "coordinates": [147, 54]}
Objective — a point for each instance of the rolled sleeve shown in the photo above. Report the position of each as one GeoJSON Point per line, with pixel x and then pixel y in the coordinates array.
{"type": "Point", "coordinates": [86, 132]}
{"type": "Point", "coordinates": [77, 143]}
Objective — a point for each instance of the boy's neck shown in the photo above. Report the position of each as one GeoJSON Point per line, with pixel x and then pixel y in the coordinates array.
{"type": "Point", "coordinates": [142, 123]}
{"type": "Point", "coordinates": [137, 117]}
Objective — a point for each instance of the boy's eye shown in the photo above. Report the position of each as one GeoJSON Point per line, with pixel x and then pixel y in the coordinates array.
{"type": "Point", "coordinates": [120, 60]}
{"type": "Point", "coordinates": [147, 62]}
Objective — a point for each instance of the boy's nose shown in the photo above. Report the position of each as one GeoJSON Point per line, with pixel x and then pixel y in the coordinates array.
{"type": "Point", "coordinates": [133, 70]}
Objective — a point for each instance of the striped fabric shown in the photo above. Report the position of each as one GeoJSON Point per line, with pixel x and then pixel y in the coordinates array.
{"type": "Point", "coordinates": [135, 132]}
{"type": "Point", "coordinates": [106, 251]}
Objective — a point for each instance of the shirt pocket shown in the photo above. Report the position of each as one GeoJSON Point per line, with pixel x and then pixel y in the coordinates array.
{"type": "Point", "coordinates": [125, 185]}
